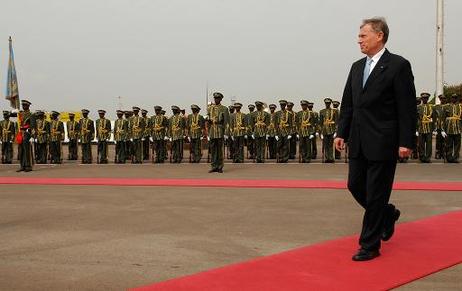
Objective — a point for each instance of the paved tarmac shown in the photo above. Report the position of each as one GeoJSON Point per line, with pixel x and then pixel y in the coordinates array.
{"type": "Point", "coordinates": [113, 238]}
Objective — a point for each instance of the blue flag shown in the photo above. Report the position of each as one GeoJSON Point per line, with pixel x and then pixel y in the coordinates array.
{"type": "Point", "coordinates": [12, 92]}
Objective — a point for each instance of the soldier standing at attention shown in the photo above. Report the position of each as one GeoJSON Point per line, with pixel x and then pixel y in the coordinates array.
{"type": "Point", "coordinates": [293, 132]}
{"type": "Point", "coordinates": [314, 142]}
{"type": "Point", "coordinates": [86, 136]}
{"type": "Point", "coordinates": [7, 134]}
{"type": "Point", "coordinates": [261, 122]}
{"type": "Point", "coordinates": [306, 128]}
{"type": "Point", "coordinates": [120, 137]}
{"type": "Point", "coordinates": [159, 126]}
{"type": "Point", "coordinates": [336, 104]}
{"type": "Point", "coordinates": [128, 143]}
{"type": "Point", "coordinates": [42, 136]}
{"type": "Point", "coordinates": [271, 132]}
{"type": "Point", "coordinates": [73, 135]}
{"type": "Point", "coordinates": [452, 129]}
{"type": "Point", "coordinates": [146, 135]}
{"type": "Point", "coordinates": [56, 138]}
{"type": "Point", "coordinates": [196, 128]}
{"type": "Point", "coordinates": [415, 150]}
{"type": "Point", "coordinates": [250, 140]}
{"type": "Point", "coordinates": [284, 123]}
{"type": "Point", "coordinates": [328, 121]}
{"type": "Point", "coordinates": [439, 148]}
{"type": "Point", "coordinates": [427, 118]}
{"type": "Point", "coordinates": [229, 142]}
{"type": "Point", "coordinates": [217, 121]}
{"type": "Point", "coordinates": [176, 127]}
{"type": "Point", "coordinates": [136, 135]}
{"type": "Point", "coordinates": [103, 135]}
{"type": "Point", "coordinates": [25, 138]}
{"type": "Point", "coordinates": [238, 132]}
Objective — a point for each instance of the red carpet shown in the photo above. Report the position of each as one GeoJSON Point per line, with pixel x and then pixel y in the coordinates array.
{"type": "Point", "coordinates": [418, 249]}
{"type": "Point", "coordinates": [226, 183]}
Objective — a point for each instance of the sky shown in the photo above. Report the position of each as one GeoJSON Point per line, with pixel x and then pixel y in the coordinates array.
{"type": "Point", "coordinates": [85, 54]}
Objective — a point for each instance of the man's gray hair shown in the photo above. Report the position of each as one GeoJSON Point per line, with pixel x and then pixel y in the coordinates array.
{"type": "Point", "coordinates": [378, 24]}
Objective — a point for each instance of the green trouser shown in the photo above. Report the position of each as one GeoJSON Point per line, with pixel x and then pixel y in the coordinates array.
{"type": "Point", "coordinates": [146, 148]}
{"type": "Point", "coordinates": [128, 150]}
{"type": "Point", "coordinates": [7, 152]}
{"type": "Point", "coordinates": [314, 148]}
{"type": "Point", "coordinates": [439, 150]}
{"type": "Point", "coordinates": [283, 149]}
{"type": "Point", "coordinates": [120, 156]}
{"type": "Point", "coordinates": [293, 147]}
{"type": "Point", "coordinates": [72, 149]}
{"type": "Point", "coordinates": [86, 153]}
{"type": "Point", "coordinates": [159, 150]}
{"type": "Point", "coordinates": [272, 147]}
{"type": "Point", "coordinates": [102, 152]}
{"type": "Point", "coordinates": [196, 150]}
{"type": "Point", "coordinates": [304, 149]}
{"type": "Point", "coordinates": [250, 147]}
{"type": "Point", "coordinates": [425, 147]}
{"type": "Point", "coordinates": [328, 147]}
{"type": "Point", "coordinates": [25, 152]}
{"type": "Point", "coordinates": [415, 151]}
{"type": "Point", "coordinates": [452, 147]}
{"type": "Point", "coordinates": [137, 157]}
{"type": "Point", "coordinates": [260, 149]}
{"type": "Point", "coordinates": [238, 147]}
{"type": "Point", "coordinates": [216, 152]}
{"type": "Point", "coordinates": [177, 148]}
{"type": "Point", "coordinates": [55, 152]}
{"type": "Point", "coordinates": [41, 155]}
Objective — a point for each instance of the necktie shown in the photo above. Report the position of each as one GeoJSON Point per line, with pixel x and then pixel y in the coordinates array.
{"type": "Point", "coordinates": [367, 70]}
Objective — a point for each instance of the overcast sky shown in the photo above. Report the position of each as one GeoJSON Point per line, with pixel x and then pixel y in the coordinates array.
{"type": "Point", "coordinates": [76, 54]}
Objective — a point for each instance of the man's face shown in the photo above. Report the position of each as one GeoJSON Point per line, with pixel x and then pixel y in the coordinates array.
{"type": "Point", "coordinates": [304, 106]}
{"type": "Point", "coordinates": [272, 109]}
{"type": "Point", "coordinates": [424, 100]}
{"type": "Point", "coordinates": [101, 115]}
{"type": "Point", "coordinates": [251, 109]}
{"type": "Point", "coordinates": [85, 115]}
{"type": "Point", "coordinates": [119, 115]}
{"type": "Point", "coordinates": [135, 112]}
{"type": "Point", "coordinates": [370, 42]}
{"type": "Point", "coordinates": [54, 116]}
{"type": "Point", "coordinates": [328, 104]}
{"type": "Point", "coordinates": [310, 107]}
{"type": "Point", "coordinates": [289, 107]}
{"type": "Point", "coordinates": [25, 106]}
{"type": "Point", "coordinates": [283, 106]}
{"type": "Point", "coordinates": [6, 116]}
{"type": "Point", "coordinates": [71, 117]}
{"type": "Point", "coordinates": [158, 111]}
{"type": "Point", "coordinates": [259, 107]}
{"type": "Point", "coordinates": [217, 101]}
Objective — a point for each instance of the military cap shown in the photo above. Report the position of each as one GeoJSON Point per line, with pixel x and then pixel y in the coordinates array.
{"type": "Point", "coordinates": [217, 95]}
{"type": "Point", "coordinates": [39, 112]}
{"type": "Point", "coordinates": [127, 112]}
{"type": "Point", "coordinates": [327, 100]}
{"type": "Point", "coordinates": [162, 112]}
{"type": "Point", "coordinates": [24, 101]}
{"type": "Point", "coordinates": [237, 104]}
{"type": "Point", "coordinates": [157, 107]}
{"type": "Point", "coordinates": [6, 112]}
{"type": "Point", "coordinates": [304, 102]}
{"type": "Point", "coordinates": [258, 103]}
{"type": "Point", "coordinates": [418, 98]}
{"type": "Point", "coordinates": [454, 96]}
{"type": "Point", "coordinates": [194, 106]}
{"type": "Point", "coordinates": [101, 111]}
{"type": "Point", "coordinates": [120, 112]}
{"type": "Point", "coordinates": [135, 108]}
{"type": "Point", "coordinates": [290, 103]}
{"type": "Point", "coordinates": [310, 104]}
{"type": "Point", "coordinates": [54, 112]}
{"type": "Point", "coordinates": [283, 102]}
{"type": "Point", "coordinates": [85, 111]}
{"type": "Point", "coordinates": [144, 111]}
{"type": "Point", "coordinates": [251, 106]}
{"type": "Point", "coordinates": [441, 96]}
{"type": "Point", "coordinates": [231, 107]}
{"type": "Point", "coordinates": [71, 114]}
{"type": "Point", "coordinates": [424, 95]}
{"type": "Point", "coordinates": [336, 103]}
{"type": "Point", "coordinates": [272, 106]}
{"type": "Point", "coordinates": [174, 107]}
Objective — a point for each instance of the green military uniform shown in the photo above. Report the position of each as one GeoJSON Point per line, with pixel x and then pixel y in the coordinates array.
{"type": "Point", "coordinates": [27, 126]}
{"type": "Point", "coordinates": [415, 150]}
{"type": "Point", "coordinates": [56, 139]}
{"type": "Point", "coordinates": [314, 142]}
{"type": "Point", "coordinates": [229, 142]}
{"type": "Point", "coordinates": [103, 135]}
{"type": "Point", "coordinates": [86, 136]}
{"type": "Point", "coordinates": [453, 129]}
{"type": "Point", "coordinates": [42, 137]}
{"type": "Point", "coordinates": [176, 133]}
{"type": "Point", "coordinates": [217, 122]}
{"type": "Point", "coordinates": [146, 135]}
{"type": "Point", "coordinates": [137, 125]}
{"type": "Point", "coordinates": [7, 135]}
{"type": "Point", "coordinates": [73, 131]}
{"type": "Point", "coordinates": [250, 141]}
{"type": "Point", "coordinates": [272, 132]}
{"type": "Point", "coordinates": [120, 138]}
{"type": "Point", "coordinates": [196, 128]}
{"type": "Point", "coordinates": [426, 122]}
{"type": "Point", "coordinates": [328, 118]}
{"type": "Point", "coordinates": [159, 126]}
{"type": "Point", "coordinates": [306, 128]}
{"type": "Point", "coordinates": [238, 129]}
{"type": "Point", "coordinates": [260, 124]}
{"type": "Point", "coordinates": [284, 123]}
{"type": "Point", "coordinates": [128, 143]}
{"type": "Point", "coordinates": [336, 104]}
{"type": "Point", "coordinates": [439, 143]}
{"type": "Point", "coordinates": [293, 132]}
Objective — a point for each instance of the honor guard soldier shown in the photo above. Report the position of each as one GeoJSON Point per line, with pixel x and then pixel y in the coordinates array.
{"type": "Point", "coordinates": [250, 140]}
{"type": "Point", "coordinates": [230, 143]}
{"type": "Point", "coordinates": [238, 128]}
{"type": "Point", "coordinates": [137, 135]}
{"type": "Point", "coordinates": [439, 144]}
{"type": "Point", "coordinates": [176, 127]}
{"type": "Point", "coordinates": [336, 105]}
{"type": "Point", "coordinates": [328, 121]}
{"type": "Point", "coordinates": [163, 112]}
{"type": "Point", "coordinates": [7, 134]}
{"type": "Point", "coordinates": [86, 136]}
{"type": "Point", "coordinates": [128, 143]}
{"type": "Point", "coordinates": [120, 137]}
{"type": "Point", "coordinates": [73, 131]}
{"type": "Point", "coordinates": [261, 122]}
{"type": "Point", "coordinates": [306, 128]}
{"type": "Point", "coordinates": [284, 123]}
{"type": "Point", "coordinates": [314, 141]}
{"type": "Point", "coordinates": [147, 135]}
{"type": "Point", "coordinates": [452, 129]}
{"type": "Point", "coordinates": [196, 130]}
{"type": "Point", "coordinates": [427, 118]}
{"type": "Point", "coordinates": [27, 126]}
{"type": "Point", "coordinates": [415, 151]}
{"type": "Point", "coordinates": [217, 121]}
{"type": "Point", "coordinates": [42, 138]}
{"type": "Point", "coordinates": [103, 135]}
{"type": "Point", "coordinates": [159, 126]}
{"type": "Point", "coordinates": [56, 138]}
{"type": "Point", "coordinates": [271, 132]}
{"type": "Point", "coordinates": [293, 133]}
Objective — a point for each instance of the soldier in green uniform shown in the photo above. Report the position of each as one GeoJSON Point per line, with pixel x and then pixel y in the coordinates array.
{"type": "Point", "coordinates": [272, 132]}
{"type": "Point", "coordinates": [250, 141]}
{"type": "Point", "coordinates": [230, 143]}
{"type": "Point", "coordinates": [427, 117]}
{"type": "Point", "coordinates": [415, 151]}
{"type": "Point", "coordinates": [163, 112]}
{"type": "Point", "coordinates": [146, 135]}
{"type": "Point", "coordinates": [27, 127]}
{"type": "Point", "coordinates": [260, 124]}
{"type": "Point", "coordinates": [73, 131]}
{"type": "Point", "coordinates": [120, 137]}
{"type": "Point", "coordinates": [42, 138]}
{"type": "Point", "coordinates": [176, 127]}
{"type": "Point", "coordinates": [439, 146]}
{"type": "Point", "coordinates": [293, 132]}
{"type": "Point", "coordinates": [328, 121]}
{"type": "Point", "coordinates": [7, 134]}
{"type": "Point", "coordinates": [103, 135]}
{"type": "Point", "coordinates": [284, 123]}
{"type": "Point", "coordinates": [86, 136]}
{"type": "Point", "coordinates": [217, 122]}
{"type": "Point", "coordinates": [238, 132]}
{"type": "Point", "coordinates": [159, 126]}
{"type": "Point", "coordinates": [336, 104]}
{"type": "Point", "coordinates": [452, 129]}
{"type": "Point", "coordinates": [128, 143]}
{"type": "Point", "coordinates": [306, 128]}
{"type": "Point", "coordinates": [314, 140]}
{"type": "Point", "coordinates": [56, 138]}
{"type": "Point", "coordinates": [196, 131]}
{"type": "Point", "coordinates": [137, 126]}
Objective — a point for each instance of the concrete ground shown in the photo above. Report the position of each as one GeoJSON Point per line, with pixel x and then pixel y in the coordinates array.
{"type": "Point", "coordinates": [113, 238]}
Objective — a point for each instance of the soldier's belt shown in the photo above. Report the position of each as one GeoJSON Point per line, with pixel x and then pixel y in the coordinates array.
{"type": "Point", "coordinates": [453, 118]}
{"type": "Point", "coordinates": [329, 122]}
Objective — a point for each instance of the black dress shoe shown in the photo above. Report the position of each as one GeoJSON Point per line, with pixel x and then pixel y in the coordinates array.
{"type": "Point", "coordinates": [20, 170]}
{"type": "Point", "coordinates": [365, 255]}
{"type": "Point", "coordinates": [212, 170]}
{"type": "Point", "coordinates": [220, 170]}
{"type": "Point", "coordinates": [390, 229]}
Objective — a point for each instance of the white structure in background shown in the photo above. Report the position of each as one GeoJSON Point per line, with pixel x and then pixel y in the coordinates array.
{"type": "Point", "coordinates": [439, 48]}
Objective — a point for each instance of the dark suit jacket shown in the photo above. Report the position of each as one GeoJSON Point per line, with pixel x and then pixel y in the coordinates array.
{"type": "Point", "coordinates": [377, 119]}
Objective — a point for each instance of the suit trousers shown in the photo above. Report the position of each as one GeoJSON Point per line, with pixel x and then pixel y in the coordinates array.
{"type": "Point", "coordinates": [371, 183]}
{"type": "Point", "coordinates": [425, 147]}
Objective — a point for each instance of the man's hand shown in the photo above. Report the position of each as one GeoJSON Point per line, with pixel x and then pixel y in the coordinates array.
{"type": "Point", "coordinates": [404, 152]}
{"type": "Point", "coordinates": [339, 143]}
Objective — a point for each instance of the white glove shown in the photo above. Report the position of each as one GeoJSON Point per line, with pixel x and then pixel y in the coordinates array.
{"type": "Point", "coordinates": [15, 111]}
{"type": "Point", "coordinates": [151, 139]}
{"type": "Point", "coordinates": [253, 136]}
{"type": "Point", "coordinates": [443, 134]}
{"type": "Point", "coordinates": [170, 139]}
{"type": "Point", "coordinates": [317, 133]}
{"type": "Point", "coordinates": [311, 136]}
{"type": "Point", "coordinates": [1, 142]}
{"type": "Point", "coordinates": [416, 133]}
{"type": "Point", "coordinates": [245, 136]}
{"type": "Point", "coordinates": [267, 136]}
{"type": "Point", "coordinates": [131, 139]}
{"type": "Point", "coordinates": [78, 140]}
{"type": "Point", "coordinates": [225, 136]}
{"type": "Point", "coordinates": [208, 138]}
{"type": "Point", "coordinates": [189, 139]}
{"type": "Point", "coordinates": [289, 136]}
{"type": "Point", "coordinates": [298, 136]}
{"type": "Point", "coordinates": [142, 139]}
{"type": "Point", "coordinates": [206, 117]}
{"type": "Point", "coordinates": [322, 136]}
{"type": "Point", "coordinates": [435, 133]}
{"type": "Point", "coordinates": [31, 140]}
{"type": "Point", "coordinates": [277, 138]}
{"type": "Point", "coordinates": [335, 135]}
{"type": "Point", "coordinates": [232, 138]}
{"type": "Point", "coordinates": [115, 142]}
{"type": "Point", "coordinates": [165, 138]}
{"type": "Point", "coordinates": [203, 137]}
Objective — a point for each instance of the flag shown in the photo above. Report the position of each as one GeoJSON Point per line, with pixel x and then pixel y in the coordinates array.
{"type": "Point", "coordinates": [12, 92]}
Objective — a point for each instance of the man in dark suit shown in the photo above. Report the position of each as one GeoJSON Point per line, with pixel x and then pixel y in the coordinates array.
{"type": "Point", "coordinates": [378, 121]}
